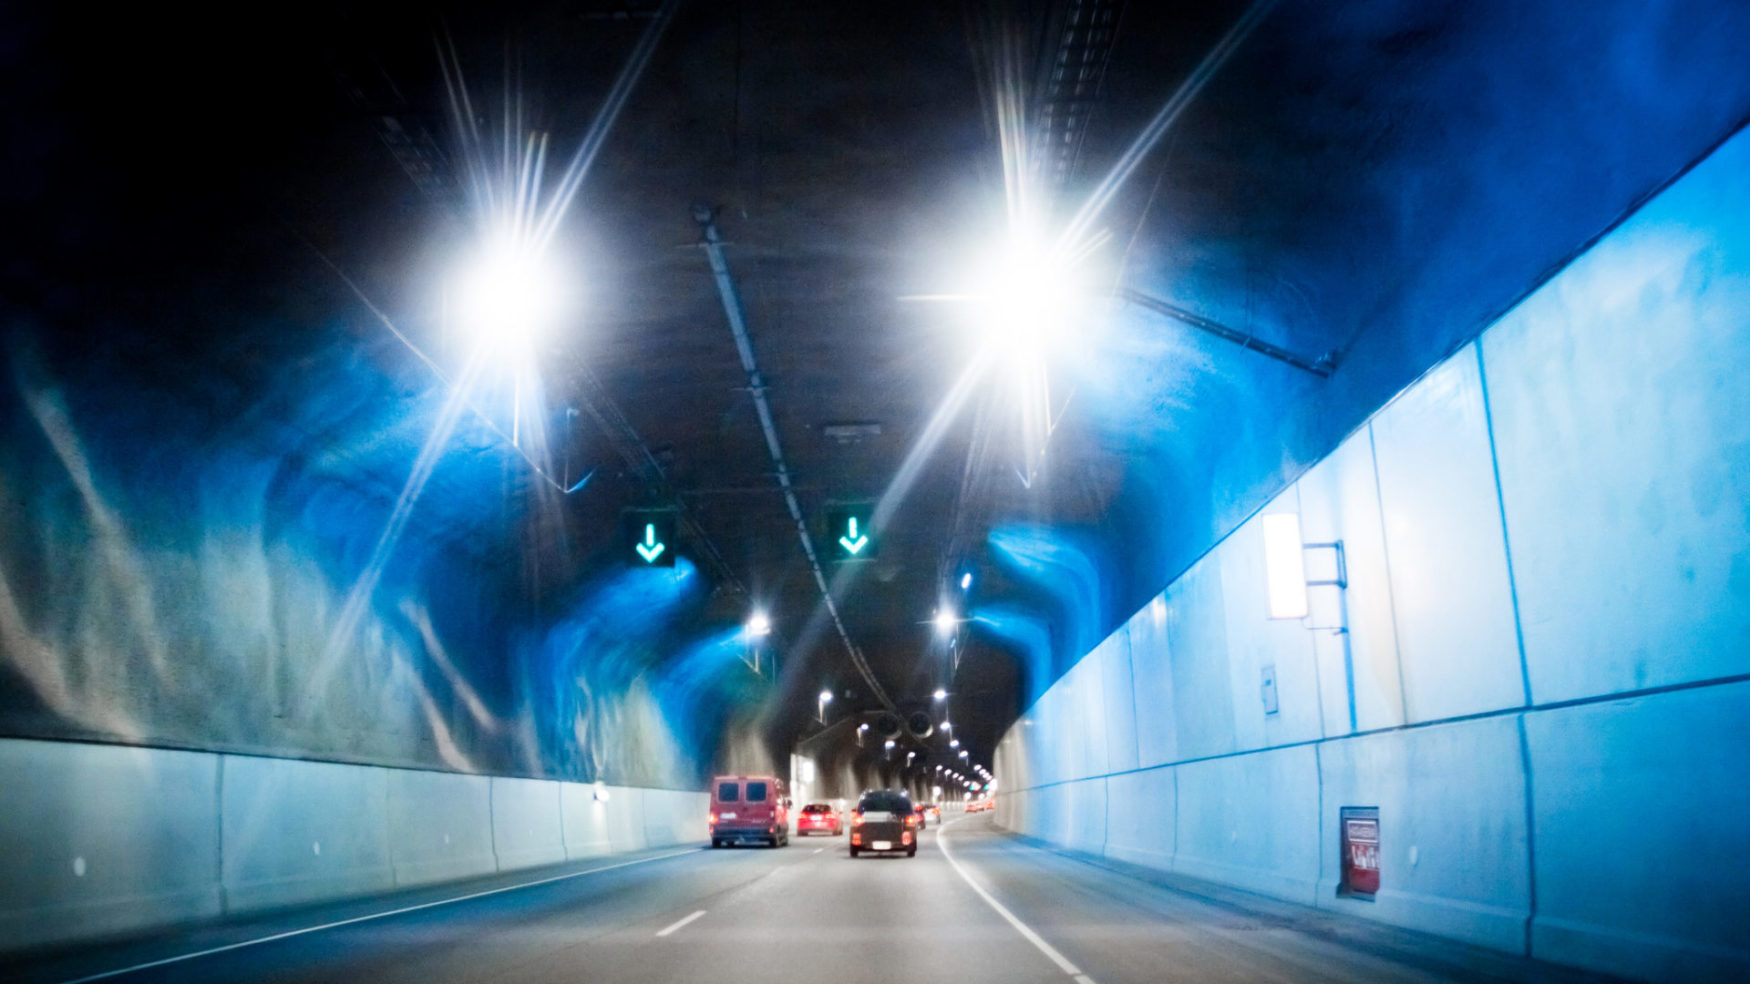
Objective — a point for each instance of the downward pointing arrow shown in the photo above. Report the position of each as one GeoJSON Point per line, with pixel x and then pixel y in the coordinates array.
{"type": "Point", "coordinates": [854, 543]}
{"type": "Point", "coordinates": [650, 549]}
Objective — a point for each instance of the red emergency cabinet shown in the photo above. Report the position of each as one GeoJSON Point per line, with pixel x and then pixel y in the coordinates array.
{"type": "Point", "coordinates": [1359, 832]}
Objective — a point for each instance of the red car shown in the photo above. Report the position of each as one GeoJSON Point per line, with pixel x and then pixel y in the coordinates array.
{"type": "Point", "coordinates": [819, 818]}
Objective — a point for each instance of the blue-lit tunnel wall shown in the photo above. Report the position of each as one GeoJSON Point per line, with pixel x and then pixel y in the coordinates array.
{"type": "Point", "coordinates": [1545, 683]}
{"type": "Point", "coordinates": [238, 586]}
{"type": "Point", "coordinates": [195, 721]}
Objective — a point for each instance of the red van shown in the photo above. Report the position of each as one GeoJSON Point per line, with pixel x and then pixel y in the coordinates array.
{"type": "Point", "coordinates": [749, 810]}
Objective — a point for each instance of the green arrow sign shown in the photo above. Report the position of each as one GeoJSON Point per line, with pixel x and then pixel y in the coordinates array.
{"type": "Point", "coordinates": [650, 534]}
{"type": "Point", "coordinates": [849, 533]}
{"type": "Point", "coordinates": [650, 549]}
{"type": "Point", "coordinates": [853, 543]}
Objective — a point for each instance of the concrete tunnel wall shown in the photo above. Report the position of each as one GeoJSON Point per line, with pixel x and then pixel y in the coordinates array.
{"type": "Point", "coordinates": [109, 839]}
{"type": "Point", "coordinates": [1548, 603]}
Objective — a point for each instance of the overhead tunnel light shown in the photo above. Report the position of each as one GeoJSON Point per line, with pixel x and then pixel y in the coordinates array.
{"type": "Point", "coordinates": [759, 624]}
{"type": "Point", "coordinates": [945, 622]}
{"type": "Point", "coordinates": [1025, 299]}
{"type": "Point", "coordinates": [509, 296]}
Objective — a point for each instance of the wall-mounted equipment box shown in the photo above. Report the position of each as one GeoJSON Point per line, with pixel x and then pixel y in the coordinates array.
{"type": "Point", "coordinates": [1358, 828]}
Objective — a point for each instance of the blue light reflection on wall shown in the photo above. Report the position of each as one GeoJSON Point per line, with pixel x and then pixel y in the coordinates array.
{"type": "Point", "coordinates": [174, 552]}
{"type": "Point", "coordinates": [586, 669]}
{"type": "Point", "coordinates": [1022, 632]}
{"type": "Point", "coordinates": [1060, 571]}
{"type": "Point", "coordinates": [701, 690]}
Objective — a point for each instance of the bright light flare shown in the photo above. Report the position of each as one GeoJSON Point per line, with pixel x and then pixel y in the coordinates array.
{"type": "Point", "coordinates": [510, 296]}
{"type": "Point", "coordinates": [945, 622]}
{"type": "Point", "coordinates": [759, 625]}
{"type": "Point", "coordinates": [1025, 300]}
{"type": "Point", "coordinates": [826, 696]}
{"type": "Point", "coordinates": [941, 694]}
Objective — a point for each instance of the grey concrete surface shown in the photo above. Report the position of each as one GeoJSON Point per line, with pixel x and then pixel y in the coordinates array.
{"type": "Point", "coordinates": [810, 913]}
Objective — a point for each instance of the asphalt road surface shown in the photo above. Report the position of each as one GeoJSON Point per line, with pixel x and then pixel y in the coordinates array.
{"type": "Point", "coordinates": [975, 905]}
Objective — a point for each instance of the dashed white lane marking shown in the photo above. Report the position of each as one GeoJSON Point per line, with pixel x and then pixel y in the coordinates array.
{"type": "Point", "coordinates": [819, 849]}
{"type": "Point", "coordinates": [678, 925]}
{"type": "Point", "coordinates": [375, 915]}
{"type": "Point", "coordinates": [1038, 941]}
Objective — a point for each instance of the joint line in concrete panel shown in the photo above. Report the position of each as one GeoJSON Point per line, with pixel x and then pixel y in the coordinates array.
{"type": "Point", "coordinates": [1520, 712]}
{"type": "Point", "coordinates": [1130, 658]}
{"type": "Point", "coordinates": [1391, 601]}
{"type": "Point", "coordinates": [1501, 507]}
{"type": "Point", "coordinates": [1530, 835]}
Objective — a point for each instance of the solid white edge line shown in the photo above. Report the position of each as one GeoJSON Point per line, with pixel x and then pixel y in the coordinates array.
{"type": "Point", "coordinates": [678, 925]}
{"type": "Point", "coordinates": [136, 968]}
{"type": "Point", "coordinates": [1038, 941]}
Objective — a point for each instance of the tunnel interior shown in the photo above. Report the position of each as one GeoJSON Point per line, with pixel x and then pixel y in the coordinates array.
{"type": "Point", "coordinates": [923, 398]}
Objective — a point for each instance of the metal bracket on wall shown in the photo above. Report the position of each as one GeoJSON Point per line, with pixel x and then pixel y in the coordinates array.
{"type": "Point", "coordinates": [1321, 367]}
{"type": "Point", "coordinates": [1340, 581]}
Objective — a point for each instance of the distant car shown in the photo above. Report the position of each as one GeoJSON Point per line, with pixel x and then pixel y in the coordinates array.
{"type": "Point", "coordinates": [979, 805]}
{"type": "Point", "coordinates": [934, 810]}
{"type": "Point", "coordinates": [749, 810]}
{"type": "Point", "coordinates": [884, 821]}
{"type": "Point", "coordinates": [817, 818]}
{"type": "Point", "coordinates": [923, 814]}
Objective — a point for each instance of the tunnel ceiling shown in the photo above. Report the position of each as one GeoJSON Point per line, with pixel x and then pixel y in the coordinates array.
{"type": "Point", "coordinates": [1364, 184]}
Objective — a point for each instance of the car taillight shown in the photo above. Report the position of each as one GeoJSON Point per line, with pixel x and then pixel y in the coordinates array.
{"type": "Point", "coordinates": [712, 819]}
{"type": "Point", "coordinates": [905, 838]}
{"type": "Point", "coordinates": [856, 819]}
{"type": "Point", "coordinates": [911, 821]}
{"type": "Point", "coordinates": [857, 840]}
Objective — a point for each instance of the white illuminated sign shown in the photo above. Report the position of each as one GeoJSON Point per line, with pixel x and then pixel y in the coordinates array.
{"type": "Point", "coordinates": [1285, 566]}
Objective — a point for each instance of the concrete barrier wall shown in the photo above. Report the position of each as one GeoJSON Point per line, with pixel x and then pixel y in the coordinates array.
{"type": "Point", "coordinates": [585, 817]}
{"type": "Point", "coordinates": [440, 826]}
{"type": "Point", "coordinates": [1539, 670]}
{"type": "Point", "coordinates": [528, 828]}
{"type": "Point", "coordinates": [293, 832]}
{"type": "Point", "coordinates": [100, 839]}
{"type": "Point", "coordinates": [109, 839]}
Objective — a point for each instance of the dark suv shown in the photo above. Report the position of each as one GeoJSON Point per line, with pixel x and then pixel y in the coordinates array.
{"type": "Point", "coordinates": [884, 821]}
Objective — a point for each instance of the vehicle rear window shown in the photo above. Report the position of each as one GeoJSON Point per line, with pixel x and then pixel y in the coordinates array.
{"type": "Point", "coordinates": [756, 792]}
{"type": "Point", "coordinates": [729, 792]}
{"type": "Point", "coordinates": [885, 801]}
{"type": "Point", "coordinates": [816, 808]}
